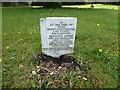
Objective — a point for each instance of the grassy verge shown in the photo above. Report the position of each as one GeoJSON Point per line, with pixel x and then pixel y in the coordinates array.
{"type": "Point", "coordinates": [96, 44]}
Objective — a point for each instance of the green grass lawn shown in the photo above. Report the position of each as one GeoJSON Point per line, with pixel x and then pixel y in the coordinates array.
{"type": "Point", "coordinates": [96, 44]}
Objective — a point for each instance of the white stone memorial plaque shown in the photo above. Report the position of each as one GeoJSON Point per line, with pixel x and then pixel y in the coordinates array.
{"type": "Point", "coordinates": [58, 35]}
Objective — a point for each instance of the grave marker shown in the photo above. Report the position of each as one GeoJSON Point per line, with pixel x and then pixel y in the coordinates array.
{"type": "Point", "coordinates": [58, 35]}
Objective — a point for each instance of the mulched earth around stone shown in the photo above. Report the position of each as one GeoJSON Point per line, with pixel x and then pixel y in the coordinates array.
{"type": "Point", "coordinates": [57, 67]}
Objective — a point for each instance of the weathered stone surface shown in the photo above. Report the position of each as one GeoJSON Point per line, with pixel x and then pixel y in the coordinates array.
{"type": "Point", "coordinates": [58, 35]}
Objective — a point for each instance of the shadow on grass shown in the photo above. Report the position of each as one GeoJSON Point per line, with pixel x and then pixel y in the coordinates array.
{"type": "Point", "coordinates": [73, 8]}
{"type": "Point", "coordinates": [63, 8]}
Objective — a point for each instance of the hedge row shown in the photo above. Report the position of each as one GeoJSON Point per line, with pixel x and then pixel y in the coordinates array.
{"type": "Point", "coordinates": [13, 4]}
{"type": "Point", "coordinates": [55, 4]}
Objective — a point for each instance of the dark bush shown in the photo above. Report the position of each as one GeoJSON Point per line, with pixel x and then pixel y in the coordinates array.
{"type": "Point", "coordinates": [111, 3]}
{"type": "Point", "coordinates": [55, 4]}
{"type": "Point", "coordinates": [114, 3]}
{"type": "Point", "coordinates": [8, 4]}
{"type": "Point", "coordinates": [52, 5]}
{"type": "Point", "coordinates": [73, 3]}
{"type": "Point", "coordinates": [37, 4]}
{"type": "Point", "coordinates": [13, 4]}
{"type": "Point", "coordinates": [23, 3]}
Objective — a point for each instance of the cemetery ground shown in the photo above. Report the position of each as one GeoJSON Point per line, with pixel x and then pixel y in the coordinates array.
{"type": "Point", "coordinates": [96, 48]}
